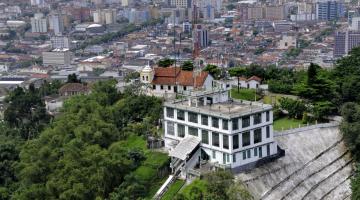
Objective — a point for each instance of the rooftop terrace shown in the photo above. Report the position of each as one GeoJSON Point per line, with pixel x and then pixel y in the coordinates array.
{"type": "Point", "coordinates": [227, 109]}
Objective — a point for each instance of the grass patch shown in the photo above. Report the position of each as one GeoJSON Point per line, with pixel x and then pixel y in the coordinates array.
{"type": "Point", "coordinates": [274, 98]}
{"type": "Point", "coordinates": [134, 141]}
{"type": "Point", "coordinates": [201, 184]}
{"type": "Point", "coordinates": [287, 123]}
{"type": "Point", "coordinates": [244, 94]}
{"type": "Point", "coordinates": [145, 173]}
{"type": "Point", "coordinates": [173, 190]}
{"type": "Point", "coordinates": [271, 99]}
{"type": "Point", "coordinates": [156, 159]}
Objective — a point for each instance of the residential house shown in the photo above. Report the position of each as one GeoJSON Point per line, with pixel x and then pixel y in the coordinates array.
{"type": "Point", "coordinates": [70, 89]}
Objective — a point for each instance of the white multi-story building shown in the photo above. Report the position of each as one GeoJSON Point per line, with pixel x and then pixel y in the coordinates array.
{"type": "Point", "coordinates": [60, 42]}
{"type": "Point", "coordinates": [227, 133]}
{"type": "Point", "coordinates": [355, 24]}
{"type": "Point", "coordinates": [57, 57]}
{"type": "Point", "coordinates": [39, 23]}
{"type": "Point", "coordinates": [56, 23]}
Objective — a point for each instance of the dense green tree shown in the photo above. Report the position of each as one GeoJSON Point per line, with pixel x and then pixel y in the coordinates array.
{"type": "Point", "coordinates": [26, 112]}
{"type": "Point", "coordinates": [218, 183]}
{"type": "Point", "coordinates": [238, 191]}
{"type": "Point", "coordinates": [166, 62]}
{"type": "Point", "coordinates": [187, 66]}
{"type": "Point", "coordinates": [255, 70]}
{"type": "Point", "coordinates": [295, 108]}
{"type": "Point", "coordinates": [82, 155]}
{"type": "Point", "coordinates": [73, 78]}
{"type": "Point", "coordinates": [196, 193]}
{"type": "Point", "coordinates": [213, 70]}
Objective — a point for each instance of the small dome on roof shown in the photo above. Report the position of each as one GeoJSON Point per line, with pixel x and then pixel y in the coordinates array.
{"type": "Point", "coordinates": [147, 68]}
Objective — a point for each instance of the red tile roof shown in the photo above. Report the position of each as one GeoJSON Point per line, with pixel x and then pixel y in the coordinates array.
{"type": "Point", "coordinates": [40, 76]}
{"type": "Point", "coordinates": [168, 76]}
{"type": "Point", "coordinates": [73, 87]}
{"type": "Point", "coordinates": [254, 78]}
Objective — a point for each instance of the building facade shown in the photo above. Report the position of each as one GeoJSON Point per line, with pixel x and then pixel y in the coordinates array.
{"type": "Point", "coordinates": [39, 23]}
{"type": "Point", "coordinates": [232, 134]}
{"type": "Point", "coordinates": [345, 41]}
{"type": "Point", "coordinates": [57, 57]}
{"type": "Point", "coordinates": [201, 35]}
{"type": "Point", "coordinates": [329, 10]}
{"type": "Point", "coordinates": [56, 24]}
{"type": "Point", "coordinates": [60, 42]}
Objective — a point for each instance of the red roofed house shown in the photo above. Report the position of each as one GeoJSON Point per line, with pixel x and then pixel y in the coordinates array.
{"type": "Point", "coordinates": [252, 82]}
{"type": "Point", "coordinates": [172, 79]}
{"type": "Point", "coordinates": [70, 89]}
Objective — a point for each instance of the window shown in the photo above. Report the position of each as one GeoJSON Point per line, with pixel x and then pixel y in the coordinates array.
{"type": "Point", "coordinates": [215, 139]}
{"type": "Point", "coordinates": [214, 154]}
{"type": "Point", "coordinates": [205, 137]}
{"type": "Point", "coordinates": [224, 158]}
{"type": "Point", "coordinates": [193, 131]}
{"type": "Point", "coordinates": [225, 124]}
{"type": "Point", "coordinates": [147, 78]}
{"type": "Point", "coordinates": [193, 117]}
{"type": "Point", "coordinates": [246, 139]}
{"type": "Point", "coordinates": [204, 120]}
{"type": "Point", "coordinates": [180, 114]}
{"type": "Point", "coordinates": [225, 142]}
{"type": "Point", "coordinates": [234, 158]}
{"type": "Point", "coordinates": [246, 121]}
{"type": "Point", "coordinates": [215, 122]}
{"type": "Point", "coordinates": [154, 87]}
{"type": "Point", "coordinates": [170, 112]}
{"type": "Point", "coordinates": [257, 135]}
{"type": "Point", "coordinates": [235, 141]}
{"type": "Point", "coordinates": [246, 154]}
{"type": "Point", "coordinates": [255, 152]}
{"type": "Point", "coordinates": [257, 118]}
{"type": "Point", "coordinates": [161, 87]}
{"type": "Point", "coordinates": [170, 128]}
{"type": "Point", "coordinates": [268, 150]}
{"type": "Point", "coordinates": [235, 124]}
{"type": "Point", "coordinates": [267, 116]}
{"type": "Point", "coordinates": [143, 78]}
{"type": "Point", "coordinates": [181, 130]}
{"type": "Point", "coordinates": [184, 87]}
{"type": "Point", "coordinates": [260, 152]}
{"type": "Point", "coordinates": [169, 87]}
{"type": "Point", "coordinates": [267, 131]}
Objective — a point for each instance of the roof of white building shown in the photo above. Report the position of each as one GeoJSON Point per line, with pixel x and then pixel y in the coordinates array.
{"type": "Point", "coordinates": [185, 147]}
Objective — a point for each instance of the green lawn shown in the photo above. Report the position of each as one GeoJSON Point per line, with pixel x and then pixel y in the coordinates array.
{"type": "Point", "coordinates": [286, 123]}
{"type": "Point", "coordinates": [273, 98]}
{"type": "Point", "coordinates": [173, 190]}
{"type": "Point", "coordinates": [244, 94]}
{"type": "Point", "coordinates": [134, 141]}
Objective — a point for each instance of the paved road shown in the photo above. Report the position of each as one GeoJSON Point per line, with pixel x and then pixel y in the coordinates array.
{"type": "Point", "coordinates": [316, 166]}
